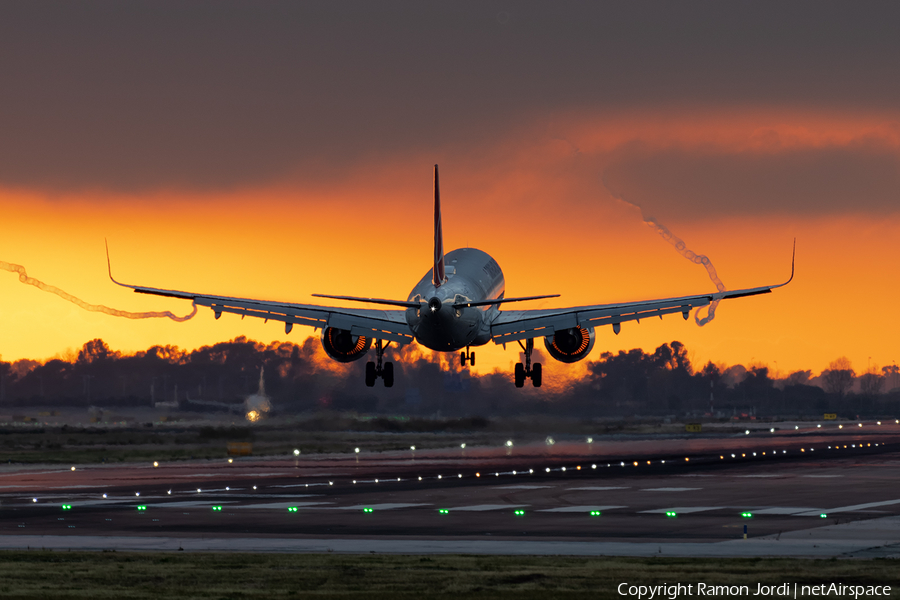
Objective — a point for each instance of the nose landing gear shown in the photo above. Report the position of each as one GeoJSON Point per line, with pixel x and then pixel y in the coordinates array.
{"type": "Point", "coordinates": [466, 357]}
{"type": "Point", "coordinates": [382, 369]}
{"type": "Point", "coordinates": [528, 371]}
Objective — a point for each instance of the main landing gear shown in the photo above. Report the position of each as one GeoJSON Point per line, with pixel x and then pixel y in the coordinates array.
{"type": "Point", "coordinates": [377, 369]}
{"type": "Point", "coordinates": [466, 357]}
{"type": "Point", "coordinates": [528, 371]}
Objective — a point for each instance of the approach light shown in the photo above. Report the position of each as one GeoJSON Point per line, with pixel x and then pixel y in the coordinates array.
{"type": "Point", "coordinates": [860, 424]}
{"type": "Point", "coordinates": [297, 451]}
{"type": "Point", "coordinates": [230, 460]}
{"type": "Point", "coordinates": [509, 444]}
{"type": "Point", "coordinates": [155, 464]}
{"type": "Point", "coordinates": [439, 477]}
{"type": "Point", "coordinates": [413, 448]}
{"type": "Point", "coordinates": [169, 492]}
{"type": "Point", "coordinates": [819, 425]}
{"type": "Point", "coordinates": [463, 445]}
{"type": "Point", "coordinates": [356, 450]}
{"type": "Point", "coordinates": [590, 440]}
{"type": "Point", "coordinates": [420, 479]}
{"type": "Point", "coordinates": [254, 487]}
{"type": "Point", "coordinates": [376, 481]}
{"type": "Point", "coordinates": [137, 493]}
{"type": "Point", "coordinates": [594, 466]}
{"type": "Point", "coordinates": [476, 475]}
{"type": "Point", "coordinates": [840, 426]}
{"type": "Point", "coordinates": [549, 441]}
{"type": "Point", "coordinates": [104, 495]}
{"type": "Point", "coordinates": [772, 430]}
{"type": "Point", "coordinates": [34, 499]}
{"type": "Point", "coordinates": [227, 489]}
{"type": "Point", "coordinates": [796, 427]}
{"type": "Point", "coordinates": [548, 469]}
{"type": "Point", "coordinates": [563, 468]}
{"type": "Point", "coordinates": [73, 468]}
{"type": "Point", "coordinates": [746, 432]}
{"type": "Point", "coordinates": [198, 490]}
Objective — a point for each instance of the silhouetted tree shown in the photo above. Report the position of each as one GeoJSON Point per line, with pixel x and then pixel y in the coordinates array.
{"type": "Point", "coordinates": [839, 377]}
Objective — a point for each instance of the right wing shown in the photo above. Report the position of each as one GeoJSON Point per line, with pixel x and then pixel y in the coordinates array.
{"type": "Point", "coordinates": [388, 325]}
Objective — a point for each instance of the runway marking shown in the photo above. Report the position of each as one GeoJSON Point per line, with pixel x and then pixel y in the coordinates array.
{"type": "Point", "coordinates": [189, 503]}
{"type": "Point", "coordinates": [763, 475]}
{"type": "Point", "coordinates": [851, 508]}
{"type": "Point", "coordinates": [821, 476]}
{"type": "Point", "coordinates": [597, 489]}
{"type": "Point", "coordinates": [672, 489]}
{"type": "Point", "coordinates": [682, 509]}
{"type": "Point", "coordinates": [523, 487]}
{"type": "Point", "coordinates": [787, 510]}
{"type": "Point", "coordinates": [281, 505]}
{"type": "Point", "coordinates": [486, 507]}
{"type": "Point", "coordinates": [577, 509]}
{"type": "Point", "coordinates": [384, 506]}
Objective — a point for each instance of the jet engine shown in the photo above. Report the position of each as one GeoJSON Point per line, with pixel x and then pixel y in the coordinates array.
{"type": "Point", "coordinates": [570, 345]}
{"type": "Point", "coordinates": [343, 346]}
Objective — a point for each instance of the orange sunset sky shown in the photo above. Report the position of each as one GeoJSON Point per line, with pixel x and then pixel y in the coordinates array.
{"type": "Point", "coordinates": [274, 151]}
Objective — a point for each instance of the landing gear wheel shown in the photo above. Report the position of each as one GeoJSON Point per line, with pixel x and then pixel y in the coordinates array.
{"type": "Point", "coordinates": [472, 358]}
{"type": "Point", "coordinates": [462, 359]}
{"type": "Point", "coordinates": [520, 375]}
{"type": "Point", "coordinates": [388, 374]}
{"type": "Point", "coordinates": [371, 375]}
{"type": "Point", "coordinates": [536, 374]}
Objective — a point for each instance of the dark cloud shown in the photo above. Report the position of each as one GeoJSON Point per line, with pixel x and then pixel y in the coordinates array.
{"type": "Point", "coordinates": [145, 94]}
{"type": "Point", "coordinates": [862, 176]}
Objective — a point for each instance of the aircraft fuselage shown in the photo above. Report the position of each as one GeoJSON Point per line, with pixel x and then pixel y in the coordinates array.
{"type": "Point", "coordinates": [472, 276]}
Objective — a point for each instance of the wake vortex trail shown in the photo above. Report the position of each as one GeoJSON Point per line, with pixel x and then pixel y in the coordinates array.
{"type": "Point", "coordinates": [681, 247]}
{"type": "Point", "coordinates": [24, 278]}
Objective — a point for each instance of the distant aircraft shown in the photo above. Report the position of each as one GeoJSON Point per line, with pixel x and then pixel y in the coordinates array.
{"type": "Point", "coordinates": [456, 305]}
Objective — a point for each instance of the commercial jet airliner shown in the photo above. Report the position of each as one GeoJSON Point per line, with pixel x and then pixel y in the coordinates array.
{"type": "Point", "coordinates": [454, 307]}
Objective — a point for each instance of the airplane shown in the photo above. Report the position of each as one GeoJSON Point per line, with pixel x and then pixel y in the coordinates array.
{"type": "Point", "coordinates": [455, 306]}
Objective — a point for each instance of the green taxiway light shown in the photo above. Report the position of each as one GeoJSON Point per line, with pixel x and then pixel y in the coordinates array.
{"type": "Point", "coordinates": [368, 510]}
{"type": "Point", "coordinates": [746, 515]}
{"type": "Point", "coordinates": [595, 513]}
{"type": "Point", "coordinates": [142, 507]}
{"type": "Point", "coordinates": [823, 515]}
{"type": "Point", "coordinates": [671, 513]}
{"type": "Point", "coordinates": [444, 511]}
{"type": "Point", "coordinates": [520, 513]}
{"type": "Point", "coordinates": [292, 509]}
{"type": "Point", "coordinates": [67, 507]}
{"type": "Point", "coordinates": [217, 508]}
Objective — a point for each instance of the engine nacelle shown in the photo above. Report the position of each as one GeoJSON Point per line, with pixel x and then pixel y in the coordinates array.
{"type": "Point", "coordinates": [570, 345]}
{"type": "Point", "coordinates": [343, 346]}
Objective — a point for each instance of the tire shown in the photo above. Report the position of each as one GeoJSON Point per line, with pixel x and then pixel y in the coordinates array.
{"type": "Point", "coordinates": [388, 374]}
{"type": "Point", "coordinates": [462, 359]}
{"type": "Point", "coordinates": [472, 358]}
{"type": "Point", "coordinates": [520, 375]}
{"type": "Point", "coordinates": [536, 374]}
{"type": "Point", "coordinates": [370, 374]}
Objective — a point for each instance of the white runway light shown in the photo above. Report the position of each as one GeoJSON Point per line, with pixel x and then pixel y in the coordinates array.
{"type": "Point", "coordinates": [297, 451]}
{"type": "Point", "coordinates": [73, 468]}
{"type": "Point", "coordinates": [104, 495]}
{"type": "Point", "coordinates": [155, 464]}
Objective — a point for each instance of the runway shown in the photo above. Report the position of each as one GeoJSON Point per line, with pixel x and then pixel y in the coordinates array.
{"type": "Point", "coordinates": [803, 492]}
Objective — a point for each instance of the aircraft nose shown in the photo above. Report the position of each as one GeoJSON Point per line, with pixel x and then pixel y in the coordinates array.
{"type": "Point", "coordinates": [434, 304]}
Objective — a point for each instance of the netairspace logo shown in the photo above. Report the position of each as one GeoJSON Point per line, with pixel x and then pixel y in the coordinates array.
{"type": "Point", "coordinates": [785, 590]}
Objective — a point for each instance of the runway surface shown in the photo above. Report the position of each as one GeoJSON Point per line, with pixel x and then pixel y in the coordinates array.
{"type": "Point", "coordinates": [799, 492]}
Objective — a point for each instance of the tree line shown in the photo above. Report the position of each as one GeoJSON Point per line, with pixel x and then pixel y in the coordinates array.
{"type": "Point", "coordinates": [300, 377]}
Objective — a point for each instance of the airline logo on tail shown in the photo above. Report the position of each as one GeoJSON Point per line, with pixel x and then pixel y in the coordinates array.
{"type": "Point", "coordinates": [437, 277]}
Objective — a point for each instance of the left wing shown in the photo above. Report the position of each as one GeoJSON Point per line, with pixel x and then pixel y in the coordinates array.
{"type": "Point", "coordinates": [525, 324]}
{"type": "Point", "coordinates": [378, 324]}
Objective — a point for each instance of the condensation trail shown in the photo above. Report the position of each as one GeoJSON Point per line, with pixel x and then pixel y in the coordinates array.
{"type": "Point", "coordinates": [24, 278]}
{"type": "Point", "coordinates": [700, 259]}
{"type": "Point", "coordinates": [681, 247]}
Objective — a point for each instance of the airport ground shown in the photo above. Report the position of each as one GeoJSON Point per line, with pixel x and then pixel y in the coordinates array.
{"type": "Point", "coordinates": [489, 519]}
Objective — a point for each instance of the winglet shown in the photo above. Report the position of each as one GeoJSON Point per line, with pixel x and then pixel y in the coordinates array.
{"type": "Point", "coordinates": [109, 266]}
{"type": "Point", "coordinates": [437, 275]}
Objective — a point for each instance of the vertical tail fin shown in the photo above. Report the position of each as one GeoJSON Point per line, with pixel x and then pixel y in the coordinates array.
{"type": "Point", "coordinates": [437, 276]}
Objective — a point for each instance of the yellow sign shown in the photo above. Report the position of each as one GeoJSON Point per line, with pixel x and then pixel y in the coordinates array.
{"type": "Point", "coordinates": [240, 448]}
{"type": "Point", "coordinates": [693, 427]}
{"type": "Point", "coordinates": [830, 416]}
